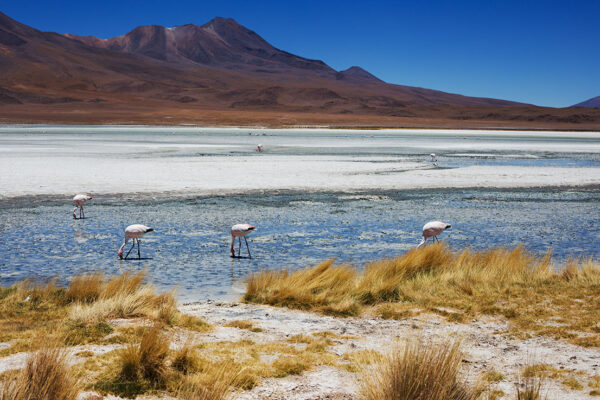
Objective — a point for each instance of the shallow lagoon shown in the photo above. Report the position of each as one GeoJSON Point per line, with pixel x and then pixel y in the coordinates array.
{"type": "Point", "coordinates": [313, 195]}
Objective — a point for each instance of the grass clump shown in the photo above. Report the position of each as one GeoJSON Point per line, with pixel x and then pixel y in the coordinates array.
{"type": "Point", "coordinates": [186, 360]}
{"type": "Point", "coordinates": [529, 388]}
{"type": "Point", "coordinates": [78, 314]}
{"type": "Point", "coordinates": [510, 283]}
{"type": "Point", "coordinates": [594, 382]}
{"type": "Point", "coordinates": [572, 383]}
{"type": "Point", "coordinates": [147, 360]}
{"type": "Point", "coordinates": [417, 372]}
{"type": "Point", "coordinates": [326, 288]}
{"type": "Point", "coordinates": [214, 386]}
{"type": "Point", "coordinates": [539, 371]}
{"type": "Point", "coordinates": [45, 376]}
{"type": "Point", "coordinates": [244, 324]}
{"type": "Point", "coordinates": [493, 376]}
{"type": "Point", "coordinates": [134, 369]}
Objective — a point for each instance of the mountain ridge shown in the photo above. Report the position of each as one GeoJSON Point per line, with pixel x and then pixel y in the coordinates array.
{"type": "Point", "coordinates": [213, 68]}
{"type": "Point", "coordinates": [594, 102]}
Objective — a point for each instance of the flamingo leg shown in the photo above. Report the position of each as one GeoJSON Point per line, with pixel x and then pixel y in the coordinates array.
{"type": "Point", "coordinates": [239, 246]}
{"type": "Point", "coordinates": [138, 242]}
{"type": "Point", "coordinates": [247, 248]}
{"type": "Point", "coordinates": [82, 213]}
{"type": "Point", "coordinates": [132, 245]}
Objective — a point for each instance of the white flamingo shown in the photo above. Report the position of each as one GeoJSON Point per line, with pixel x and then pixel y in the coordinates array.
{"type": "Point", "coordinates": [259, 148]}
{"type": "Point", "coordinates": [79, 200]}
{"type": "Point", "coordinates": [134, 232]}
{"type": "Point", "coordinates": [434, 160]}
{"type": "Point", "coordinates": [431, 230]}
{"type": "Point", "coordinates": [240, 231]}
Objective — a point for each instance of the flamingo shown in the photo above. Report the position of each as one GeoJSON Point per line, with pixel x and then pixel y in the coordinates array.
{"type": "Point", "coordinates": [79, 200]}
{"type": "Point", "coordinates": [431, 230]}
{"type": "Point", "coordinates": [259, 148]}
{"type": "Point", "coordinates": [240, 231]}
{"type": "Point", "coordinates": [134, 232]}
{"type": "Point", "coordinates": [434, 160]}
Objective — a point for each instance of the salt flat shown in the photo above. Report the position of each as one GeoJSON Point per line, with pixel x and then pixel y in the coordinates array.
{"type": "Point", "coordinates": [203, 161]}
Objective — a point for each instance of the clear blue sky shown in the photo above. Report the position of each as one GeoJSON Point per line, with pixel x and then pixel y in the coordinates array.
{"type": "Point", "coordinates": [541, 52]}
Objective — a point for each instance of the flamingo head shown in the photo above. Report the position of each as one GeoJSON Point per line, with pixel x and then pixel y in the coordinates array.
{"type": "Point", "coordinates": [120, 252]}
{"type": "Point", "coordinates": [232, 251]}
{"type": "Point", "coordinates": [74, 215]}
{"type": "Point", "coordinates": [448, 226]}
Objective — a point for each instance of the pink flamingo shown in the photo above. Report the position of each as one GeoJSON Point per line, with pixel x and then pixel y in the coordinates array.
{"type": "Point", "coordinates": [134, 232]}
{"type": "Point", "coordinates": [240, 231]}
{"type": "Point", "coordinates": [259, 148]}
{"type": "Point", "coordinates": [431, 230]}
{"type": "Point", "coordinates": [79, 200]}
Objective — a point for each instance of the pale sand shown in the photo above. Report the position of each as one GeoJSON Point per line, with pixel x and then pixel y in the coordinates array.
{"type": "Point", "coordinates": [485, 347]}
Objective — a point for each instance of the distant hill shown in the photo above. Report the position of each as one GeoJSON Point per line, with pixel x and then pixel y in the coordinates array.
{"type": "Point", "coordinates": [594, 102]}
{"type": "Point", "coordinates": [155, 73]}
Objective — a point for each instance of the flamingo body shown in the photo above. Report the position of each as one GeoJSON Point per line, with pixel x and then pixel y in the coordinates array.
{"type": "Point", "coordinates": [79, 200]}
{"type": "Point", "coordinates": [240, 231]}
{"type": "Point", "coordinates": [134, 232]}
{"type": "Point", "coordinates": [432, 229]}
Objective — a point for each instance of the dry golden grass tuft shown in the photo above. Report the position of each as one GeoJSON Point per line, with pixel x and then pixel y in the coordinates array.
{"type": "Point", "coordinates": [417, 371]}
{"type": "Point", "coordinates": [217, 385]}
{"type": "Point", "coordinates": [79, 313]}
{"type": "Point", "coordinates": [122, 296]}
{"type": "Point", "coordinates": [244, 324]}
{"type": "Point", "coordinates": [511, 283]}
{"type": "Point", "coordinates": [529, 388]}
{"type": "Point", "coordinates": [186, 360]}
{"type": "Point", "coordinates": [493, 376]}
{"type": "Point", "coordinates": [146, 360]}
{"type": "Point", "coordinates": [325, 287]}
{"type": "Point", "coordinates": [85, 288]}
{"type": "Point", "coordinates": [45, 376]}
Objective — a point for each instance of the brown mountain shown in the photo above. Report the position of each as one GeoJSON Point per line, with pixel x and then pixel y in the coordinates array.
{"type": "Point", "coordinates": [221, 43]}
{"type": "Point", "coordinates": [219, 72]}
{"type": "Point", "coordinates": [594, 102]}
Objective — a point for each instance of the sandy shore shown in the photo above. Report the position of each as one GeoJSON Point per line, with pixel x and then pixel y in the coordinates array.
{"type": "Point", "coordinates": [485, 345]}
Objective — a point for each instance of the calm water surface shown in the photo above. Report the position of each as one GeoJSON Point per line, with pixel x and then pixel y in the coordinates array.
{"type": "Point", "coordinates": [189, 249]}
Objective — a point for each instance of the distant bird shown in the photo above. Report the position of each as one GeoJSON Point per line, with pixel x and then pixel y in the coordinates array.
{"type": "Point", "coordinates": [134, 232]}
{"type": "Point", "coordinates": [431, 230]}
{"type": "Point", "coordinates": [259, 148]}
{"type": "Point", "coordinates": [240, 231]}
{"type": "Point", "coordinates": [79, 200]}
{"type": "Point", "coordinates": [434, 160]}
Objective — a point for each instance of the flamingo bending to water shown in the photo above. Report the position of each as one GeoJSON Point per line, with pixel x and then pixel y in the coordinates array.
{"type": "Point", "coordinates": [240, 231]}
{"type": "Point", "coordinates": [134, 232]}
{"type": "Point", "coordinates": [431, 230]}
{"type": "Point", "coordinates": [259, 148]}
{"type": "Point", "coordinates": [79, 200]}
